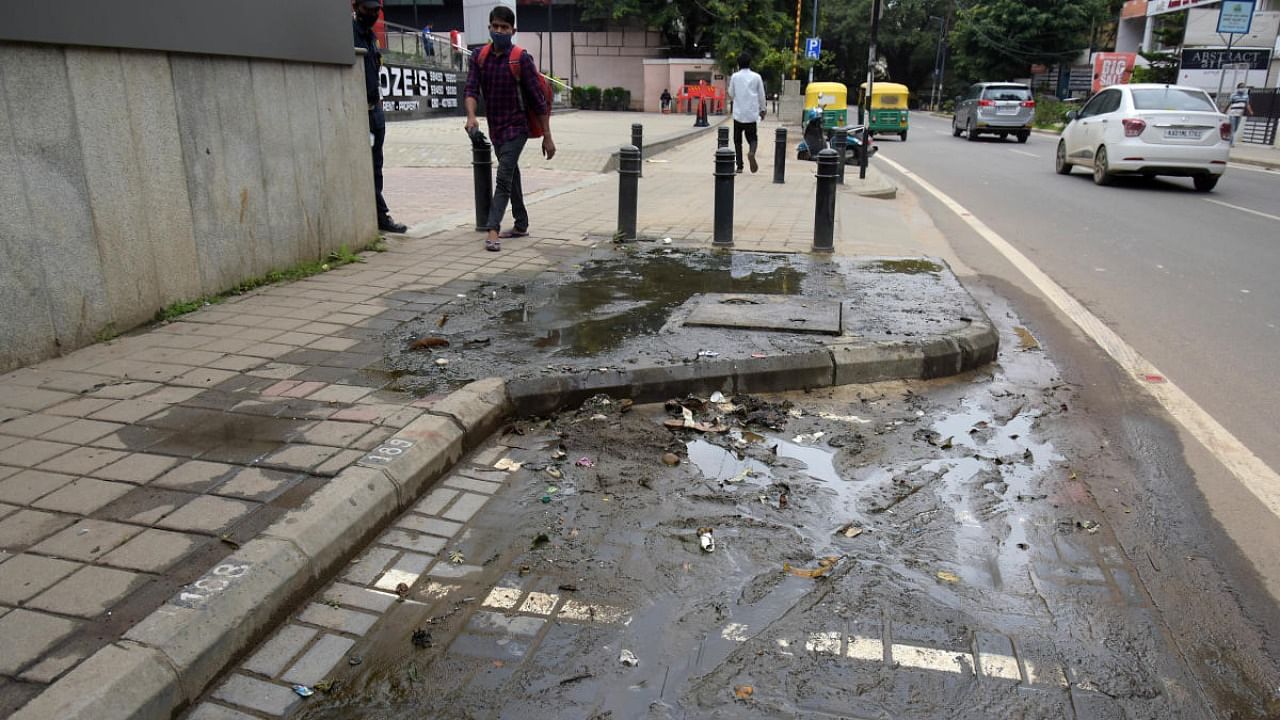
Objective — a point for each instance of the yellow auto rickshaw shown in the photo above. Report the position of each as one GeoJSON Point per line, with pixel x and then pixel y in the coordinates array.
{"type": "Point", "coordinates": [887, 113]}
{"type": "Point", "coordinates": [830, 99]}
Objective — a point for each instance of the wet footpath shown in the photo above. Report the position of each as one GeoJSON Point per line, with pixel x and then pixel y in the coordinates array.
{"type": "Point", "coordinates": [576, 479]}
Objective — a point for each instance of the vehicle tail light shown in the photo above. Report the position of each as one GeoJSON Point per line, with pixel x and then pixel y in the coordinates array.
{"type": "Point", "coordinates": [1133, 127]}
{"type": "Point", "coordinates": [986, 103]}
{"type": "Point", "coordinates": [1224, 131]}
{"type": "Point", "coordinates": [1029, 103]}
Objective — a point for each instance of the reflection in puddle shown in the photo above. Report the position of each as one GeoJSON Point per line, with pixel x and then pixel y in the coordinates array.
{"type": "Point", "coordinates": [721, 465]}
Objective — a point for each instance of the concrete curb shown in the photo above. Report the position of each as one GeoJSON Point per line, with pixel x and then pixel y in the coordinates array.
{"type": "Point", "coordinates": [167, 660]}
{"type": "Point", "coordinates": [654, 148]}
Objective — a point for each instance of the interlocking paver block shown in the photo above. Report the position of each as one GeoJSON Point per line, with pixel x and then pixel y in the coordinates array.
{"type": "Point", "coordinates": [80, 407]}
{"type": "Point", "coordinates": [363, 598]}
{"type": "Point", "coordinates": [340, 394]}
{"type": "Point", "coordinates": [33, 426]}
{"type": "Point", "coordinates": [87, 540]}
{"type": "Point", "coordinates": [319, 660]}
{"type": "Point", "coordinates": [207, 514]}
{"type": "Point", "coordinates": [466, 505]}
{"type": "Point", "coordinates": [88, 592]}
{"type": "Point", "coordinates": [255, 694]}
{"type": "Point", "coordinates": [24, 576]}
{"type": "Point", "coordinates": [407, 570]}
{"type": "Point", "coordinates": [204, 377]}
{"type": "Point", "coordinates": [48, 669]}
{"type": "Point", "coordinates": [84, 496]}
{"type": "Point", "coordinates": [28, 527]}
{"type": "Point", "coordinates": [369, 566]}
{"type": "Point", "coordinates": [435, 501]}
{"type": "Point", "coordinates": [465, 483]}
{"type": "Point", "coordinates": [151, 551]}
{"type": "Point", "coordinates": [284, 645]}
{"type": "Point", "coordinates": [127, 390]}
{"type": "Point", "coordinates": [277, 371]}
{"type": "Point", "coordinates": [340, 619]}
{"type": "Point", "coordinates": [338, 462]}
{"type": "Point", "coordinates": [129, 411]}
{"type": "Point", "coordinates": [33, 399]}
{"type": "Point", "coordinates": [81, 432]}
{"type": "Point", "coordinates": [431, 526]}
{"type": "Point", "coordinates": [136, 468]}
{"type": "Point", "coordinates": [194, 475]}
{"type": "Point", "coordinates": [333, 433]}
{"type": "Point", "coordinates": [82, 461]}
{"type": "Point", "coordinates": [209, 711]}
{"type": "Point", "coordinates": [256, 484]}
{"type": "Point", "coordinates": [412, 541]}
{"type": "Point", "coordinates": [24, 635]}
{"type": "Point", "coordinates": [32, 452]}
{"type": "Point", "coordinates": [27, 486]}
{"type": "Point", "coordinates": [300, 457]}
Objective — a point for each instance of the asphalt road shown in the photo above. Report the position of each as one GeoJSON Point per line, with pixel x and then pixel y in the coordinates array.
{"type": "Point", "coordinates": [1183, 277]}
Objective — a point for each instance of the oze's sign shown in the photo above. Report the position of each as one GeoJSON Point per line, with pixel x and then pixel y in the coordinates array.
{"type": "Point", "coordinates": [406, 88]}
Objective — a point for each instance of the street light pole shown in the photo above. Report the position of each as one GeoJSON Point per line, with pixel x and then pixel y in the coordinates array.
{"type": "Point", "coordinates": [551, 44]}
{"type": "Point", "coordinates": [815, 33]}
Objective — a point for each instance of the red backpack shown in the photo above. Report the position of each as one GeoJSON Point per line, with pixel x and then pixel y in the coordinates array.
{"type": "Point", "coordinates": [513, 62]}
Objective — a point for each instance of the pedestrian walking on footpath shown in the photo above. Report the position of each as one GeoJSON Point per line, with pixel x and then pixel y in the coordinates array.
{"type": "Point", "coordinates": [746, 90]}
{"type": "Point", "coordinates": [1237, 108]}
{"type": "Point", "coordinates": [517, 106]}
{"type": "Point", "coordinates": [665, 99]}
{"type": "Point", "coordinates": [366, 15]}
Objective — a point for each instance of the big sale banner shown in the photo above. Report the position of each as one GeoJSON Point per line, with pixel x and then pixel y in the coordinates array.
{"type": "Point", "coordinates": [1112, 69]}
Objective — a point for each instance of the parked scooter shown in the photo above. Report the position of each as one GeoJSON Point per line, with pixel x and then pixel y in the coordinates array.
{"type": "Point", "coordinates": [818, 137]}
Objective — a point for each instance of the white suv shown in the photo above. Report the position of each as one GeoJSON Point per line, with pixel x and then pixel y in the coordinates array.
{"type": "Point", "coordinates": [1148, 130]}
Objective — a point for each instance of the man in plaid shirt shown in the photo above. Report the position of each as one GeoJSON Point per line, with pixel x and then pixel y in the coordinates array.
{"type": "Point", "coordinates": [506, 101]}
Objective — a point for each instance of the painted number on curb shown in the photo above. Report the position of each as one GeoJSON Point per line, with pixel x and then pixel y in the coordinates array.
{"type": "Point", "coordinates": [197, 594]}
{"type": "Point", "coordinates": [386, 452]}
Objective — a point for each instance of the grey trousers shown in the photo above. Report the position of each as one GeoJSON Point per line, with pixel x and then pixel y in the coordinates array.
{"type": "Point", "coordinates": [507, 186]}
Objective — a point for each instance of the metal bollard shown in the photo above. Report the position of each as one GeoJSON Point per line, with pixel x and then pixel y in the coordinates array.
{"type": "Point", "coordinates": [725, 159]}
{"type": "Point", "coordinates": [637, 139]}
{"type": "Point", "coordinates": [722, 137]}
{"type": "Point", "coordinates": [865, 157]}
{"type": "Point", "coordinates": [780, 156]}
{"type": "Point", "coordinates": [840, 143]}
{"type": "Point", "coordinates": [824, 217]}
{"type": "Point", "coordinates": [482, 170]}
{"type": "Point", "coordinates": [628, 187]}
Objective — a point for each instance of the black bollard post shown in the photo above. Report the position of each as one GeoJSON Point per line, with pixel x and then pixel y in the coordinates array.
{"type": "Point", "coordinates": [840, 143]}
{"type": "Point", "coordinates": [637, 139]}
{"type": "Point", "coordinates": [725, 172]}
{"type": "Point", "coordinates": [628, 189]}
{"type": "Point", "coordinates": [482, 170]}
{"type": "Point", "coordinates": [722, 137]}
{"type": "Point", "coordinates": [866, 153]}
{"type": "Point", "coordinates": [824, 217]}
{"type": "Point", "coordinates": [780, 156]}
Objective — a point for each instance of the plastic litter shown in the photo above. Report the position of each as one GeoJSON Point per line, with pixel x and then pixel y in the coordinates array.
{"type": "Point", "coordinates": [508, 464]}
{"type": "Point", "coordinates": [421, 638]}
{"type": "Point", "coordinates": [441, 362]}
{"type": "Point", "coordinates": [402, 589]}
{"type": "Point", "coordinates": [554, 472]}
{"type": "Point", "coordinates": [428, 342]}
{"type": "Point", "coordinates": [743, 692]}
{"type": "Point", "coordinates": [1088, 526]}
{"type": "Point", "coordinates": [706, 540]}
{"type": "Point", "coordinates": [850, 531]}
{"type": "Point", "coordinates": [559, 454]}
{"type": "Point", "coordinates": [825, 565]}
{"type": "Point", "coordinates": [628, 658]}
{"type": "Point", "coordinates": [355, 660]}
{"type": "Point", "coordinates": [671, 459]}
{"type": "Point", "coordinates": [303, 691]}
{"type": "Point", "coordinates": [585, 462]}
{"type": "Point", "coordinates": [717, 397]}
{"type": "Point", "coordinates": [948, 577]}
{"type": "Point", "coordinates": [708, 353]}
{"type": "Point", "coordinates": [665, 241]}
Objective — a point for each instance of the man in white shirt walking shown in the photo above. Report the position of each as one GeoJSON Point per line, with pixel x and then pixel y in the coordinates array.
{"type": "Point", "coordinates": [746, 90]}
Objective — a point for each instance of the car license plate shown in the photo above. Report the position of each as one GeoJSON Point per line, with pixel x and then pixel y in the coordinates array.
{"type": "Point", "coordinates": [1006, 109]}
{"type": "Point", "coordinates": [1189, 133]}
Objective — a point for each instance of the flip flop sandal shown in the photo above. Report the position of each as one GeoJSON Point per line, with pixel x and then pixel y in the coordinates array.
{"type": "Point", "coordinates": [492, 245]}
{"type": "Point", "coordinates": [507, 234]}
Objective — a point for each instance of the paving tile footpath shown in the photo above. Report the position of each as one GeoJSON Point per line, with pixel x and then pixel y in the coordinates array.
{"type": "Point", "coordinates": [131, 469]}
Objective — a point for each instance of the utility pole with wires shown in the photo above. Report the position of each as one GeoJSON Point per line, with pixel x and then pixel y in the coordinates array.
{"type": "Point", "coordinates": [871, 80]}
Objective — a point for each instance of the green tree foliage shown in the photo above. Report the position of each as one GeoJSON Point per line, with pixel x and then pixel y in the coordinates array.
{"type": "Point", "coordinates": [1001, 39]}
{"type": "Point", "coordinates": [906, 44]}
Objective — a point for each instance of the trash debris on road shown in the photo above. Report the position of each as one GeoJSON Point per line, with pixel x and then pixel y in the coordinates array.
{"type": "Point", "coordinates": [355, 660]}
{"type": "Point", "coordinates": [559, 453]}
{"type": "Point", "coordinates": [428, 342]}
{"type": "Point", "coordinates": [665, 241]}
{"type": "Point", "coordinates": [1026, 341]}
{"type": "Point", "coordinates": [1088, 526]}
{"type": "Point", "coordinates": [948, 576]}
{"type": "Point", "coordinates": [743, 692]}
{"type": "Point", "coordinates": [843, 418]}
{"type": "Point", "coordinates": [706, 540]}
{"type": "Point", "coordinates": [628, 658]}
{"type": "Point", "coordinates": [782, 501]}
{"type": "Point", "coordinates": [807, 438]}
{"type": "Point", "coordinates": [708, 353]}
{"type": "Point", "coordinates": [554, 472]}
{"type": "Point", "coordinates": [507, 464]}
{"type": "Point", "coordinates": [441, 362]}
{"type": "Point", "coordinates": [717, 397]}
{"type": "Point", "coordinates": [402, 589]}
{"type": "Point", "coordinates": [421, 638]}
{"type": "Point", "coordinates": [825, 565]}
{"type": "Point", "coordinates": [585, 462]}
{"type": "Point", "coordinates": [456, 557]}
{"type": "Point", "coordinates": [303, 691]}
{"type": "Point", "coordinates": [670, 459]}
{"type": "Point", "coordinates": [850, 531]}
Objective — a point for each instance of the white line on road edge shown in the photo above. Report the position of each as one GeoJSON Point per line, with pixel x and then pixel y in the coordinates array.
{"type": "Point", "coordinates": [1253, 168]}
{"type": "Point", "coordinates": [1248, 468]}
{"type": "Point", "coordinates": [1024, 152]}
{"type": "Point", "coordinates": [1243, 209]}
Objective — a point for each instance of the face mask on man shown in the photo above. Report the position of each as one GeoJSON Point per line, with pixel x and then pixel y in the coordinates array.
{"type": "Point", "coordinates": [501, 41]}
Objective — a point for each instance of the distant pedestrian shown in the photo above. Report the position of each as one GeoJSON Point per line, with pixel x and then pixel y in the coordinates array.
{"type": "Point", "coordinates": [503, 74]}
{"type": "Point", "coordinates": [1237, 108]}
{"type": "Point", "coordinates": [428, 45]}
{"type": "Point", "coordinates": [366, 16]}
{"type": "Point", "coordinates": [455, 42]}
{"type": "Point", "coordinates": [746, 89]}
{"type": "Point", "coordinates": [665, 99]}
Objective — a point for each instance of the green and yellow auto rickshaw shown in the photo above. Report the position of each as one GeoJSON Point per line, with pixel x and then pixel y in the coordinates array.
{"type": "Point", "coordinates": [887, 112]}
{"type": "Point", "coordinates": [829, 98]}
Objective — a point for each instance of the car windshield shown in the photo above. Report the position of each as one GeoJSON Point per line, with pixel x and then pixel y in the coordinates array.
{"type": "Point", "coordinates": [1013, 92]}
{"type": "Point", "coordinates": [1172, 99]}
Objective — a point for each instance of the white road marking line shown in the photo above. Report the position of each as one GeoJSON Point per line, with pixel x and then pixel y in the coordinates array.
{"type": "Point", "coordinates": [1024, 152]}
{"type": "Point", "coordinates": [1243, 209]}
{"type": "Point", "coordinates": [1248, 469]}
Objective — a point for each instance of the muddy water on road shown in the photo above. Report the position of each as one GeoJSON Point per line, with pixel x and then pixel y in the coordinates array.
{"type": "Point", "coordinates": [972, 575]}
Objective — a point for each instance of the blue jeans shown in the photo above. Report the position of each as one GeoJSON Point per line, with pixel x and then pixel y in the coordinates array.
{"type": "Point", "coordinates": [507, 186]}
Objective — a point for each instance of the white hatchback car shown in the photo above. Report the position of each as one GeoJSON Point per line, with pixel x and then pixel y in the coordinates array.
{"type": "Point", "coordinates": [1148, 130]}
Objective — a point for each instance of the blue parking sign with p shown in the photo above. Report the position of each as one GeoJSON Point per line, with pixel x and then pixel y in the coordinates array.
{"type": "Point", "coordinates": [812, 48]}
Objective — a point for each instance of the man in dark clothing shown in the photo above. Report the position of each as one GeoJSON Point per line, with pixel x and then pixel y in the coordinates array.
{"type": "Point", "coordinates": [366, 15]}
{"type": "Point", "coordinates": [512, 91]}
